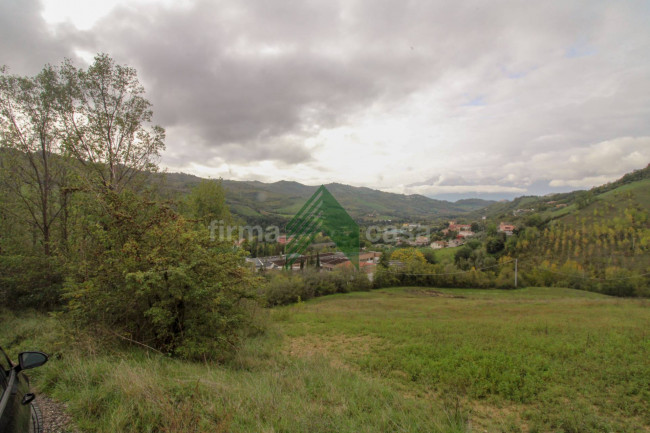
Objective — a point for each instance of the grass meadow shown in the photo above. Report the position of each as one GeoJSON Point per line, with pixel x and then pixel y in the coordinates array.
{"type": "Point", "coordinates": [390, 360]}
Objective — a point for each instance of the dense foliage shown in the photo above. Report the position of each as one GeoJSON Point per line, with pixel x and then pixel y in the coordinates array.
{"type": "Point", "coordinates": [82, 229]}
{"type": "Point", "coordinates": [289, 287]}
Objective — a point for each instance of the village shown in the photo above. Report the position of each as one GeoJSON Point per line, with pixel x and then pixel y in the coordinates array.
{"type": "Point", "coordinates": [325, 257]}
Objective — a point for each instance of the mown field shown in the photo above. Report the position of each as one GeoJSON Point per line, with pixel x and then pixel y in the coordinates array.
{"type": "Point", "coordinates": [391, 360]}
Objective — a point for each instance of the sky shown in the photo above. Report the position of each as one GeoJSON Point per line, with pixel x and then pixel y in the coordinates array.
{"type": "Point", "coordinates": [446, 99]}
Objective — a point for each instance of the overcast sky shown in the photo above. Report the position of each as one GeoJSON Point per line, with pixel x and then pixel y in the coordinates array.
{"type": "Point", "coordinates": [448, 99]}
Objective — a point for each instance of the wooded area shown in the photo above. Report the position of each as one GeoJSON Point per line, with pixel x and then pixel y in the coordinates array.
{"type": "Point", "coordinates": [82, 227]}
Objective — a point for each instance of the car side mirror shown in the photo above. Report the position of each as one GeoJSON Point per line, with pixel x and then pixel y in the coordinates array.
{"type": "Point", "coordinates": [29, 360]}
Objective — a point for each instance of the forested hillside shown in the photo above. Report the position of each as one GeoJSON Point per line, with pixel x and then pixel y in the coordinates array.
{"type": "Point", "coordinates": [276, 203]}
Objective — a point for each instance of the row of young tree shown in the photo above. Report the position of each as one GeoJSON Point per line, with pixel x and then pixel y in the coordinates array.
{"type": "Point", "coordinates": [83, 230]}
{"type": "Point", "coordinates": [603, 248]}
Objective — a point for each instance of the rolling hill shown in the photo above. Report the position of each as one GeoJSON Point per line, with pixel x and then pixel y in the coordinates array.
{"type": "Point", "coordinates": [600, 236]}
{"type": "Point", "coordinates": [554, 206]}
{"type": "Point", "coordinates": [256, 201]}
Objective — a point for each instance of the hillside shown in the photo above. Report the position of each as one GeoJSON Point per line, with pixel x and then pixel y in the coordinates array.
{"type": "Point", "coordinates": [555, 206]}
{"type": "Point", "coordinates": [601, 236]}
{"type": "Point", "coordinates": [258, 201]}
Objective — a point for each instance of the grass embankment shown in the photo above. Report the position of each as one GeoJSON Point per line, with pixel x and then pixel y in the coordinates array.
{"type": "Point", "coordinates": [412, 360]}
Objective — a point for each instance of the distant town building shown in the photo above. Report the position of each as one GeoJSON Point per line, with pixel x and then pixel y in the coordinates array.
{"type": "Point", "coordinates": [463, 230]}
{"type": "Point", "coordinates": [436, 245]}
{"type": "Point", "coordinates": [369, 257]}
{"type": "Point", "coordinates": [282, 240]}
{"type": "Point", "coordinates": [455, 243]}
{"type": "Point", "coordinates": [328, 261]}
{"type": "Point", "coordinates": [506, 228]}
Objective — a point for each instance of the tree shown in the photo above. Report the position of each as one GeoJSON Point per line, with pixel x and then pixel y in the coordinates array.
{"type": "Point", "coordinates": [429, 256]}
{"type": "Point", "coordinates": [584, 199]}
{"type": "Point", "coordinates": [383, 260]}
{"type": "Point", "coordinates": [106, 120]}
{"type": "Point", "coordinates": [451, 234]}
{"type": "Point", "coordinates": [534, 220]}
{"type": "Point", "coordinates": [494, 245]}
{"type": "Point", "coordinates": [30, 143]}
{"type": "Point", "coordinates": [185, 295]}
{"type": "Point", "coordinates": [207, 202]}
{"type": "Point", "coordinates": [462, 255]}
{"type": "Point", "coordinates": [407, 255]}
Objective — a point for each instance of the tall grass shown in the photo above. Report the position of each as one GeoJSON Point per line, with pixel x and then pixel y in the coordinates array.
{"type": "Point", "coordinates": [261, 390]}
{"type": "Point", "coordinates": [394, 360]}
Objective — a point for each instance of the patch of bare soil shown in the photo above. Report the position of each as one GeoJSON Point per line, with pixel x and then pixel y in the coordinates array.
{"type": "Point", "coordinates": [334, 348]}
{"type": "Point", "coordinates": [434, 293]}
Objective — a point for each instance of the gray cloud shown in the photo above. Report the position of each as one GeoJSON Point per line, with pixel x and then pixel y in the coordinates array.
{"type": "Point", "coordinates": [523, 87]}
{"type": "Point", "coordinates": [27, 42]}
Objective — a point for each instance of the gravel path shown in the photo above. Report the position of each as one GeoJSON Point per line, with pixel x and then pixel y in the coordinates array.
{"type": "Point", "coordinates": [55, 417]}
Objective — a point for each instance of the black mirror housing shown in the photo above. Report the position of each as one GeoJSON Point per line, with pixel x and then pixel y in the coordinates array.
{"type": "Point", "coordinates": [29, 360]}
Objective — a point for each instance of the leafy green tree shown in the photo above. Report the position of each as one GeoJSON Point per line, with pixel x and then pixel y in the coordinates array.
{"type": "Point", "coordinates": [461, 257]}
{"type": "Point", "coordinates": [106, 120]}
{"type": "Point", "coordinates": [148, 276]}
{"type": "Point", "coordinates": [207, 202]}
{"type": "Point", "coordinates": [494, 245]}
{"type": "Point", "coordinates": [384, 259]}
{"type": "Point", "coordinates": [407, 255]}
{"type": "Point", "coordinates": [429, 256]}
{"type": "Point", "coordinates": [451, 234]}
{"type": "Point", "coordinates": [584, 199]}
{"type": "Point", "coordinates": [30, 141]}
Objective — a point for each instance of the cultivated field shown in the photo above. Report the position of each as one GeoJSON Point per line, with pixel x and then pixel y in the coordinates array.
{"type": "Point", "coordinates": [401, 359]}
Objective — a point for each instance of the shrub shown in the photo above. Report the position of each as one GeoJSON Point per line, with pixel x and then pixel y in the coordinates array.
{"type": "Point", "coordinates": [157, 280]}
{"type": "Point", "coordinates": [30, 282]}
{"type": "Point", "coordinates": [284, 288]}
{"type": "Point", "coordinates": [619, 282]}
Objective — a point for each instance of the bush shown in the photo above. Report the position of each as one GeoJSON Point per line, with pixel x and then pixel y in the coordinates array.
{"type": "Point", "coordinates": [30, 282]}
{"type": "Point", "coordinates": [286, 287]}
{"type": "Point", "coordinates": [619, 282]}
{"type": "Point", "coordinates": [157, 280]}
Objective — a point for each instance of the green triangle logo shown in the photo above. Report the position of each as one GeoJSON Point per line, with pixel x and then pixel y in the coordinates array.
{"type": "Point", "coordinates": [322, 213]}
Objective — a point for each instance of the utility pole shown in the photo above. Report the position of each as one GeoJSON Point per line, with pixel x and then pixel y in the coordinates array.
{"type": "Point", "coordinates": [516, 260]}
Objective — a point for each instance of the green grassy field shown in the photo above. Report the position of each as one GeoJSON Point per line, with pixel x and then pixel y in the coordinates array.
{"type": "Point", "coordinates": [446, 255]}
{"type": "Point", "coordinates": [402, 359]}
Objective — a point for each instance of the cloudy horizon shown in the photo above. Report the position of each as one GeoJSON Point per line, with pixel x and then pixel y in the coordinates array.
{"type": "Point", "coordinates": [478, 99]}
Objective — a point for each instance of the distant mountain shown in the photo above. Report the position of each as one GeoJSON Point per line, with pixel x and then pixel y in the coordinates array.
{"type": "Point", "coordinates": [256, 201]}
{"type": "Point", "coordinates": [472, 204]}
{"type": "Point", "coordinates": [259, 202]}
